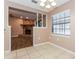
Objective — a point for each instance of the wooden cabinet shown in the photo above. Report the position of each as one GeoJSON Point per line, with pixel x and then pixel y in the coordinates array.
{"type": "Point", "coordinates": [28, 22]}
{"type": "Point", "coordinates": [21, 42]}
{"type": "Point", "coordinates": [25, 39]}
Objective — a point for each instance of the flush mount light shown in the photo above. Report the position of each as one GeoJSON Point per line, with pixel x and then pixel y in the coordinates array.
{"type": "Point", "coordinates": [27, 17]}
{"type": "Point", "coordinates": [43, 0]}
{"type": "Point", "coordinates": [21, 16]}
{"type": "Point", "coordinates": [48, 6]}
{"type": "Point", "coordinates": [47, 3]}
{"type": "Point", "coordinates": [42, 4]}
{"type": "Point", "coordinates": [53, 4]}
{"type": "Point", "coordinates": [51, 0]}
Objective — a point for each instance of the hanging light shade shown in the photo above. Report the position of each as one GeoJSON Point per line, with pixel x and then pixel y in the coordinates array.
{"type": "Point", "coordinates": [47, 3]}
{"type": "Point", "coordinates": [48, 6]}
{"type": "Point", "coordinates": [42, 4]}
{"type": "Point", "coordinates": [53, 4]}
{"type": "Point", "coordinates": [51, 0]}
{"type": "Point", "coordinates": [43, 0]}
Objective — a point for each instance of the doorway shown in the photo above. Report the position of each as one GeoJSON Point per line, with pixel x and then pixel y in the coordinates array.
{"type": "Point", "coordinates": [22, 23]}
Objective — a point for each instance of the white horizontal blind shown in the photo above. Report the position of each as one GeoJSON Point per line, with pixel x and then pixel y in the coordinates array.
{"type": "Point", "coordinates": [61, 23]}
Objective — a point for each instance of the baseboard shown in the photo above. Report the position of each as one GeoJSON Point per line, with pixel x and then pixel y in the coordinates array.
{"type": "Point", "coordinates": [41, 44]}
{"type": "Point", "coordinates": [62, 48]}
{"type": "Point", "coordinates": [7, 52]}
{"type": "Point", "coordinates": [56, 46]}
{"type": "Point", "coordinates": [50, 44]}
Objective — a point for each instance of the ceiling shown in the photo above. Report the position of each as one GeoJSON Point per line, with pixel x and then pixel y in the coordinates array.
{"type": "Point", "coordinates": [30, 4]}
{"type": "Point", "coordinates": [21, 13]}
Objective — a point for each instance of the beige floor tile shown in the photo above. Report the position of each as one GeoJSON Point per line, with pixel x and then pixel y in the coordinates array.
{"type": "Point", "coordinates": [34, 55]}
{"type": "Point", "coordinates": [40, 49]}
{"type": "Point", "coordinates": [66, 55]}
{"type": "Point", "coordinates": [40, 57]}
{"type": "Point", "coordinates": [31, 50]}
{"type": "Point", "coordinates": [11, 56]}
{"type": "Point", "coordinates": [50, 52]}
{"type": "Point", "coordinates": [49, 56]}
{"type": "Point", "coordinates": [39, 52]}
{"type": "Point", "coordinates": [43, 47]}
{"type": "Point", "coordinates": [9, 52]}
{"type": "Point", "coordinates": [24, 57]}
{"type": "Point", "coordinates": [21, 52]}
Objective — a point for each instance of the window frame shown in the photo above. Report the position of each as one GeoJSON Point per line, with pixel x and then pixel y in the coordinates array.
{"type": "Point", "coordinates": [64, 23]}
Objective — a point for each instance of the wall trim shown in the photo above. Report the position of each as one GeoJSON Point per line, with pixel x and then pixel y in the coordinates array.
{"type": "Point", "coordinates": [41, 44]}
{"type": "Point", "coordinates": [7, 52]}
{"type": "Point", "coordinates": [56, 46]}
{"type": "Point", "coordinates": [9, 29]}
{"type": "Point", "coordinates": [62, 48]}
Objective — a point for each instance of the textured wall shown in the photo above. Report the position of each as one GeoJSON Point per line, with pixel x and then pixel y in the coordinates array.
{"type": "Point", "coordinates": [40, 35]}
{"type": "Point", "coordinates": [66, 42]}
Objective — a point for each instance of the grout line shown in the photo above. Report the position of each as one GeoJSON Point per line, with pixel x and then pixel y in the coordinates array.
{"type": "Point", "coordinates": [56, 46]}
{"type": "Point", "coordinates": [40, 53]}
{"type": "Point", "coordinates": [27, 53]}
{"type": "Point", "coordinates": [62, 48]}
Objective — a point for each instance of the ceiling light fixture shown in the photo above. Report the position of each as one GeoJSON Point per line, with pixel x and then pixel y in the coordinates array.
{"type": "Point", "coordinates": [48, 6]}
{"type": "Point", "coordinates": [27, 17]}
{"type": "Point", "coordinates": [21, 16]}
{"type": "Point", "coordinates": [47, 3]}
{"type": "Point", "coordinates": [53, 4]}
{"type": "Point", "coordinates": [51, 0]}
{"type": "Point", "coordinates": [43, 0]}
{"type": "Point", "coordinates": [42, 4]}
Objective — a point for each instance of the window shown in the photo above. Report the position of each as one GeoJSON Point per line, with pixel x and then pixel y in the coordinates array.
{"type": "Point", "coordinates": [61, 23]}
{"type": "Point", "coordinates": [41, 20]}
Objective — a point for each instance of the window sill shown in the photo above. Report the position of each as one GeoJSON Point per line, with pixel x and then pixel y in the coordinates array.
{"type": "Point", "coordinates": [59, 35]}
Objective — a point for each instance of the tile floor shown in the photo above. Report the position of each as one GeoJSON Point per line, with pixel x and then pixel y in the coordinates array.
{"type": "Point", "coordinates": [45, 51]}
